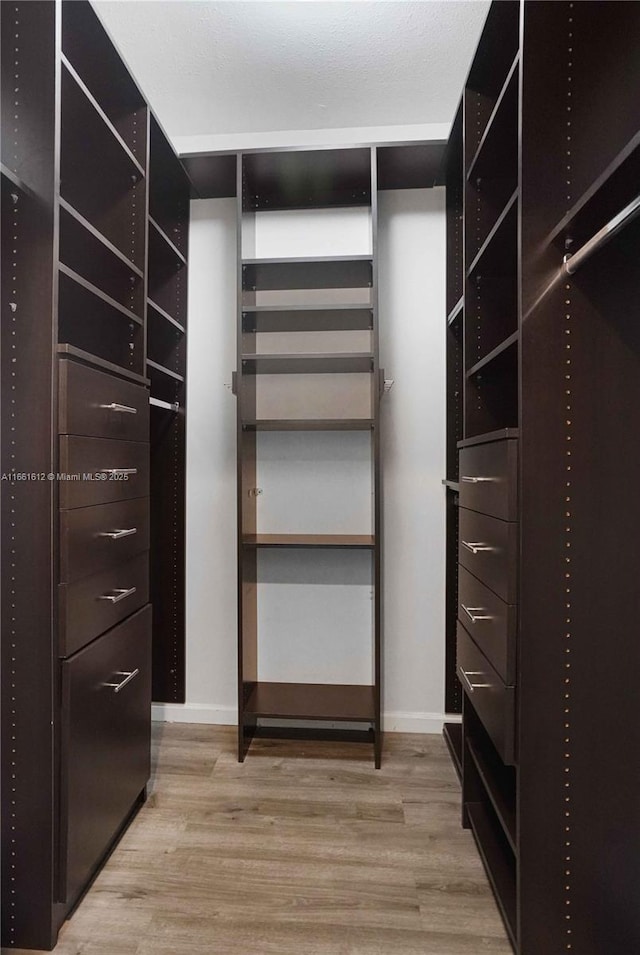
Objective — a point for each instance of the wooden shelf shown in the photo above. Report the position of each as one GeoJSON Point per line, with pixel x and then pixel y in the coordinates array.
{"type": "Point", "coordinates": [498, 860]}
{"type": "Point", "coordinates": [309, 364]}
{"type": "Point", "coordinates": [88, 359]}
{"type": "Point", "coordinates": [311, 701]}
{"type": "Point", "coordinates": [308, 260]}
{"type": "Point", "coordinates": [503, 434]}
{"type": "Point", "coordinates": [309, 424]}
{"type": "Point", "coordinates": [16, 181]}
{"type": "Point", "coordinates": [164, 371]}
{"type": "Point", "coordinates": [165, 315]}
{"type": "Point", "coordinates": [456, 311]}
{"type": "Point", "coordinates": [452, 733]}
{"type": "Point", "coordinates": [307, 308]}
{"type": "Point", "coordinates": [495, 240]}
{"type": "Point", "coordinates": [365, 541]}
{"type": "Point", "coordinates": [499, 782]}
{"type": "Point", "coordinates": [104, 119]}
{"type": "Point", "coordinates": [616, 185]}
{"type": "Point", "coordinates": [493, 355]}
{"type": "Point", "coordinates": [91, 229]}
{"type": "Point", "coordinates": [451, 485]}
{"type": "Point", "coordinates": [490, 142]}
{"type": "Point", "coordinates": [65, 270]}
{"type": "Point", "coordinates": [170, 245]}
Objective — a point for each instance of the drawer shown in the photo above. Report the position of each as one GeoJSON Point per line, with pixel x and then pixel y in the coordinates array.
{"type": "Point", "coordinates": [94, 538]}
{"type": "Point", "coordinates": [490, 622]}
{"type": "Point", "coordinates": [94, 604]}
{"type": "Point", "coordinates": [105, 745]}
{"type": "Point", "coordinates": [488, 548]}
{"type": "Point", "coordinates": [491, 699]}
{"type": "Point", "coordinates": [100, 405]}
{"type": "Point", "coordinates": [100, 471]}
{"type": "Point", "coordinates": [489, 479]}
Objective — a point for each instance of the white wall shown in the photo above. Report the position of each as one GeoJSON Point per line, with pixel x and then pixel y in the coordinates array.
{"type": "Point", "coordinates": [412, 307]}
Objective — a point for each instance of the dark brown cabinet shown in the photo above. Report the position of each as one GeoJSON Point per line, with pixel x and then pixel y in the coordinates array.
{"type": "Point", "coordinates": [543, 173]}
{"type": "Point", "coordinates": [105, 727]}
{"type": "Point", "coordinates": [92, 452]}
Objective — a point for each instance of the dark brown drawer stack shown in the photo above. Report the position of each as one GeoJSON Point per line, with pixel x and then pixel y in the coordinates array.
{"type": "Point", "coordinates": [104, 616]}
{"type": "Point", "coordinates": [488, 580]}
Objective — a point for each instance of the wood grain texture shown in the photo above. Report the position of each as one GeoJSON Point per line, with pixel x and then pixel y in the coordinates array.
{"type": "Point", "coordinates": [303, 848]}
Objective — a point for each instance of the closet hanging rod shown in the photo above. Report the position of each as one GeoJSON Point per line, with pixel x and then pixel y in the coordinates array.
{"type": "Point", "coordinates": [167, 405]}
{"type": "Point", "coordinates": [573, 262]}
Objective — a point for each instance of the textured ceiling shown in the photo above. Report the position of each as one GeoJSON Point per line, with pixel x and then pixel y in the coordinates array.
{"type": "Point", "coordinates": [236, 67]}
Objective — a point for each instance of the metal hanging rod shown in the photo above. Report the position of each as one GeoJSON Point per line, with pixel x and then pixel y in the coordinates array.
{"type": "Point", "coordinates": [167, 405]}
{"type": "Point", "coordinates": [573, 262]}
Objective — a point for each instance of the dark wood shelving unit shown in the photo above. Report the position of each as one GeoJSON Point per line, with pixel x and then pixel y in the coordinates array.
{"type": "Point", "coordinates": [75, 757]}
{"type": "Point", "coordinates": [550, 352]}
{"type": "Point", "coordinates": [331, 303]}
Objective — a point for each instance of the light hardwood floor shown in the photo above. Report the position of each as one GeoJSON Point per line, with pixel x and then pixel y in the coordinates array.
{"type": "Point", "coordinates": [304, 849]}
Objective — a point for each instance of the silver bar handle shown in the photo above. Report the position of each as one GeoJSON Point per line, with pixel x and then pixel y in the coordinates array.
{"type": "Point", "coordinates": [118, 595]}
{"type": "Point", "coordinates": [573, 262]}
{"type": "Point", "coordinates": [123, 409]}
{"type": "Point", "coordinates": [116, 535]}
{"type": "Point", "coordinates": [128, 677]}
{"type": "Point", "coordinates": [117, 471]}
{"type": "Point", "coordinates": [476, 547]}
{"type": "Point", "coordinates": [476, 613]}
{"type": "Point", "coordinates": [472, 687]}
{"type": "Point", "coordinates": [468, 479]}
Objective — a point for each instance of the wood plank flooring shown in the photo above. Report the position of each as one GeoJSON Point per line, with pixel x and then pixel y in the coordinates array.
{"type": "Point", "coordinates": [304, 849]}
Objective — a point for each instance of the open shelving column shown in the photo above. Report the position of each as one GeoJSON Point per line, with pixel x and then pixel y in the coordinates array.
{"type": "Point", "coordinates": [166, 365]}
{"type": "Point", "coordinates": [307, 362]}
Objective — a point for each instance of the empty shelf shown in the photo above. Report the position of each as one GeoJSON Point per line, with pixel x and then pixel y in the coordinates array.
{"type": "Point", "coordinates": [494, 248]}
{"type": "Point", "coordinates": [452, 733]}
{"type": "Point", "coordinates": [170, 245]}
{"type": "Point", "coordinates": [498, 859]}
{"type": "Point", "coordinates": [164, 371]}
{"type": "Point", "coordinates": [308, 364]}
{"type": "Point", "coordinates": [91, 229]}
{"type": "Point", "coordinates": [499, 782]}
{"type": "Point", "coordinates": [311, 701]}
{"type": "Point", "coordinates": [89, 287]}
{"type": "Point", "coordinates": [309, 540]}
{"type": "Point", "coordinates": [161, 312]}
{"type": "Point", "coordinates": [493, 355]}
{"type": "Point", "coordinates": [309, 424]}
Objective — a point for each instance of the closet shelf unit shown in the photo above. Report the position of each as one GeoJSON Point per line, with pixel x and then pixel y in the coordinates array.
{"type": "Point", "coordinates": [546, 352]}
{"type": "Point", "coordinates": [307, 329]}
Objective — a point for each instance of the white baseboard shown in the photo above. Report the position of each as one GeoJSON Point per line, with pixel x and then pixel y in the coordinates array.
{"type": "Point", "coordinates": [400, 722]}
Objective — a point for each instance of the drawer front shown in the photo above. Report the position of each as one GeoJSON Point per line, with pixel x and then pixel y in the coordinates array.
{"type": "Point", "coordinates": [491, 699]}
{"type": "Point", "coordinates": [489, 479]}
{"type": "Point", "coordinates": [94, 538]}
{"type": "Point", "coordinates": [94, 604]}
{"type": "Point", "coordinates": [488, 548]}
{"type": "Point", "coordinates": [100, 405]}
{"type": "Point", "coordinates": [490, 622]}
{"type": "Point", "coordinates": [105, 744]}
{"type": "Point", "coordinates": [100, 471]}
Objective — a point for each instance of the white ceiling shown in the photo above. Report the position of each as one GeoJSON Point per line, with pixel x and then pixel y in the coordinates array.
{"type": "Point", "coordinates": [233, 67]}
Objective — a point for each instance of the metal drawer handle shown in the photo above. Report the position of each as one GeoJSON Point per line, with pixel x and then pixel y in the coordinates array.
{"type": "Point", "coordinates": [117, 471]}
{"type": "Point", "coordinates": [116, 535]}
{"type": "Point", "coordinates": [472, 687]}
{"type": "Point", "coordinates": [476, 613]}
{"type": "Point", "coordinates": [123, 409]}
{"type": "Point", "coordinates": [118, 595]}
{"type": "Point", "coordinates": [128, 677]}
{"type": "Point", "coordinates": [467, 479]}
{"type": "Point", "coordinates": [476, 547]}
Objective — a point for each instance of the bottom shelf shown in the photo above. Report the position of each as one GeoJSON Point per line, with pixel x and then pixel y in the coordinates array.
{"type": "Point", "coordinates": [310, 701]}
{"type": "Point", "coordinates": [499, 861]}
{"type": "Point", "coordinates": [452, 733]}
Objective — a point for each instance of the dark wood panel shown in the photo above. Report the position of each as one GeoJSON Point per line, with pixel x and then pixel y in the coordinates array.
{"type": "Point", "coordinates": [491, 623]}
{"type": "Point", "coordinates": [306, 178]}
{"type": "Point", "coordinates": [488, 548]}
{"type": "Point", "coordinates": [489, 479]}
{"type": "Point", "coordinates": [101, 470]}
{"type": "Point", "coordinates": [90, 606]}
{"type": "Point", "coordinates": [94, 538]}
{"type": "Point", "coordinates": [106, 740]}
{"type": "Point", "coordinates": [95, 404]}
{"type": "Point", "coordinates": [310, 701]}
{"type": "Point", "coordinates": [411, 166]}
